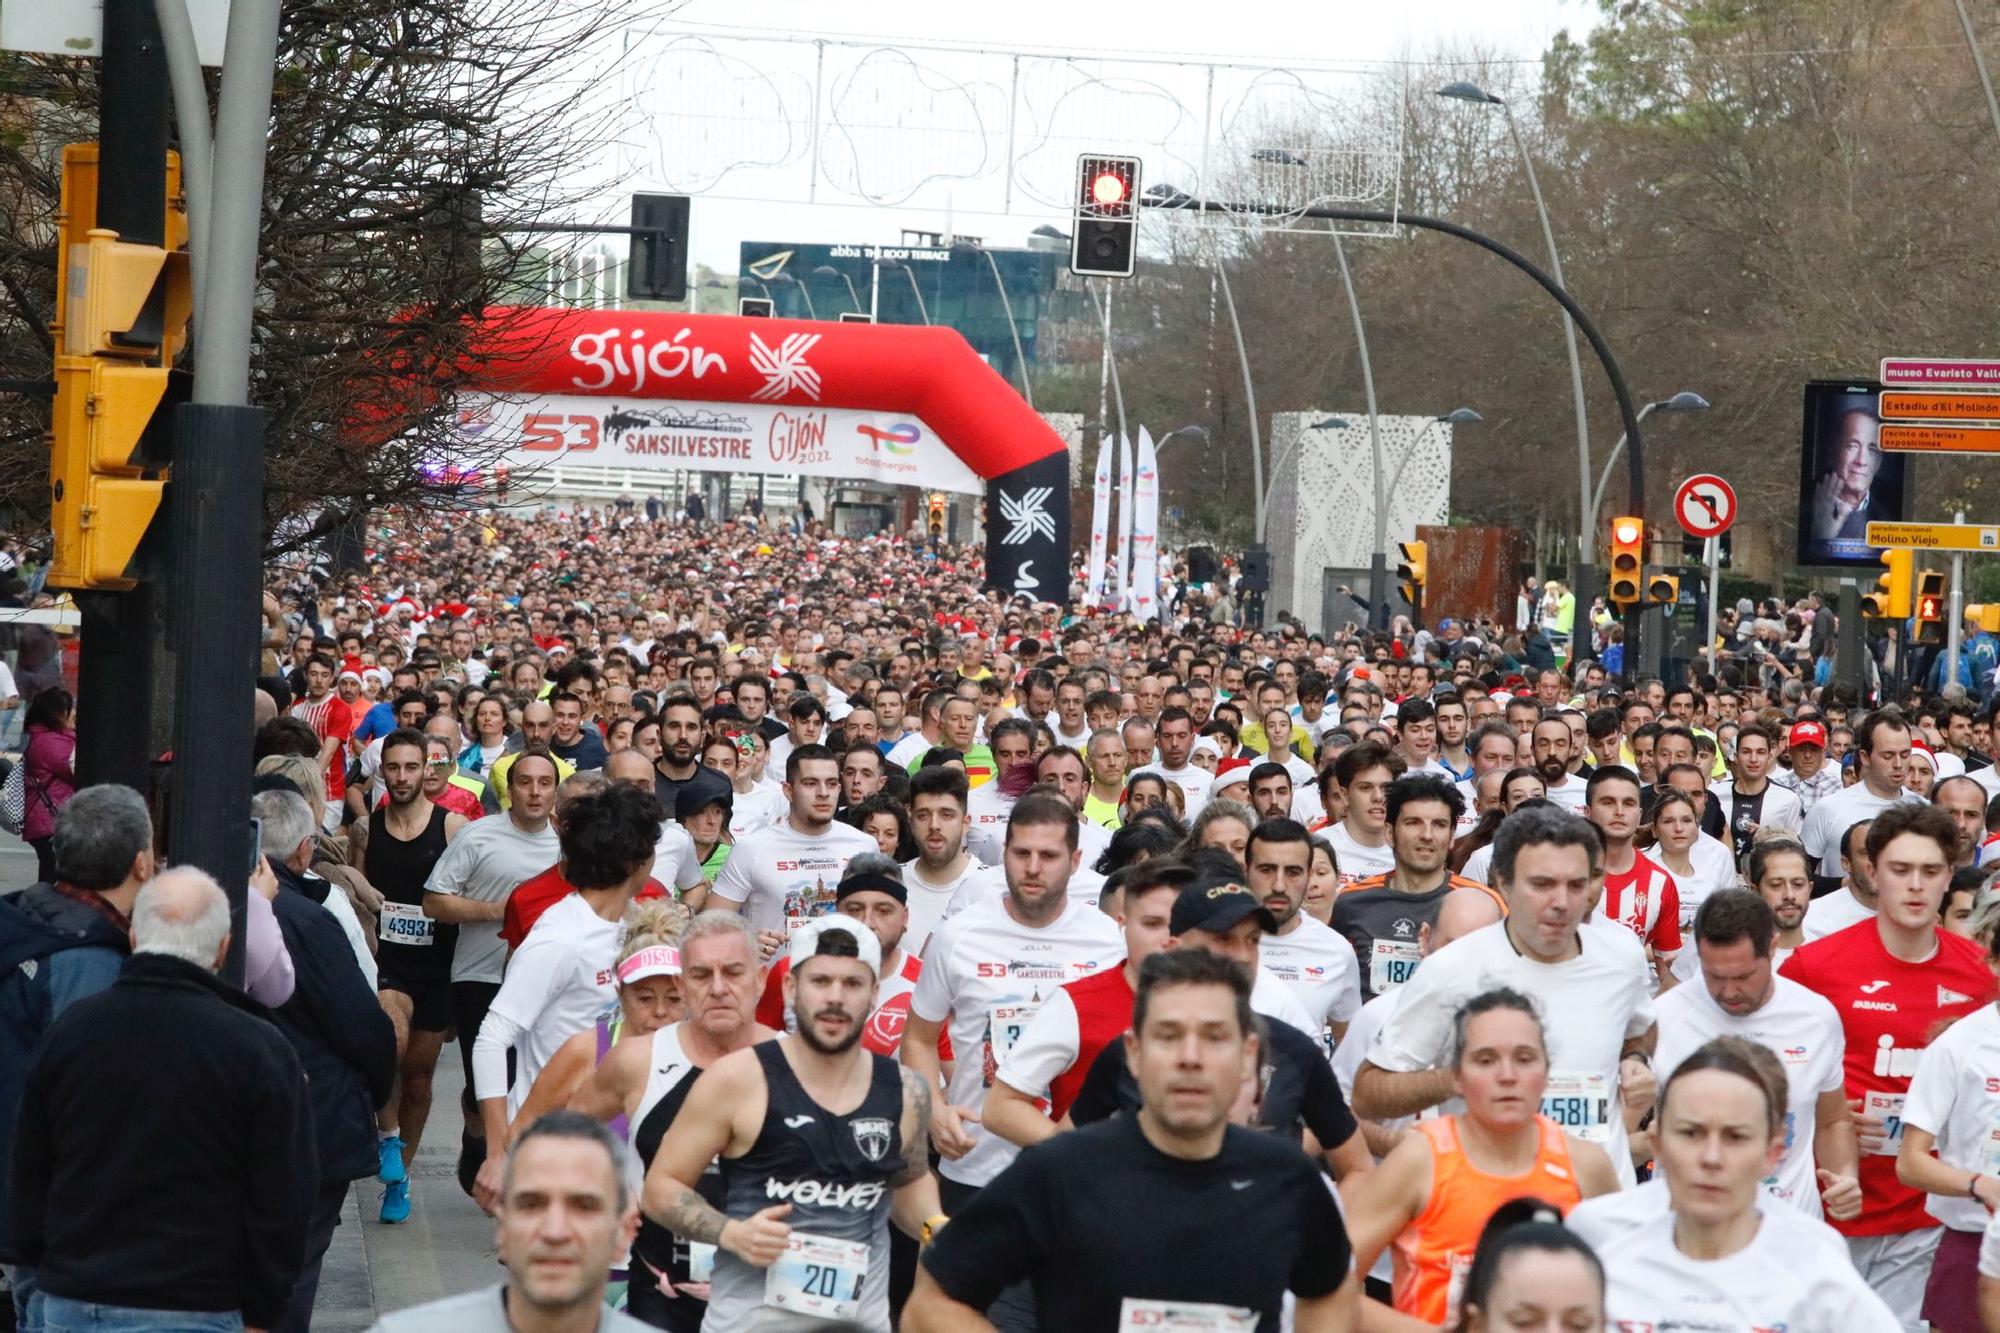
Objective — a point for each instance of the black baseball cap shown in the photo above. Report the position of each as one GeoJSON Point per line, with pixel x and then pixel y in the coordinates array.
{"type": "Point", "coordinates": [1215, 903]}
{"type": "Point", "coordinates": [707, 787]}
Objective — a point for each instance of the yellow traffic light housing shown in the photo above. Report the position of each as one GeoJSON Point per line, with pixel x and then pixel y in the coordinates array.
{"type": "Point", "coordinates": [1663, 589]}
{"type": "Point", "coordinates": [1930, 606]}
{"type": "Point", "coordinates": [937, 516]}
{"type": "Point", "coordinates": [1891, 598]}
{"type": "Point", "coordinates": [1628, 560]}
{"type": "Point", "coordinates": [1413, 572]}
{"type": "Point", "coordinates": [122, 315]}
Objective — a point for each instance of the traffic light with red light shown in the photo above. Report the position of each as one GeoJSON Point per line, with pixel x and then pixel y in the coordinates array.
{"type": "Point", "coordinates": [1930, 606]}
{"type": "Point", "coordinates": [1891, 598]}
{"type": "Point", "coordinates": [1628, 561]}
{"type": "Point", "coordinates": [1104, 235]}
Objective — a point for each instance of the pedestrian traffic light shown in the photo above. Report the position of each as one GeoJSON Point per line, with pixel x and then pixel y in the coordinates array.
{"type": "Point", "coordinates": [1104, 235]}
{"type": "Point", "coordinates": [1891, 598]}
{"type": "Point", "coordinates": [937, 516]}
{"type": "Point", "coordinates": [1930, 606]}
{"type": "Point", "coordinates": [1413, 572]}
{"type": "Point", "coordinates": [1628, 560]}
{"type": "Point", "coordinates": [122, 313]}
{"type": "Point", "coordinates": [1663, 589]}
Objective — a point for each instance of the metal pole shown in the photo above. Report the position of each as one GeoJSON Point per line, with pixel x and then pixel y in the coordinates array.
{"type": "Point", "coordinates": [1378, 560]}
{"type": "Point", "coordinates": [1597, 496]}
{"type": "Point", "coordinates": [1020, 358]}
{"type": "Point", "coordinates": [1956, 617]}
{"type": "Point", "coordinates": [1621, 391]}
{"type": "Point", "coordinates": [1587, 547]}
{"type": "Point", "coordinates": [1979, 63]}
{"type": "Point", "coordinates": [1103, 304]}
{"type": "Point", "coordinates": [874, 292]}
{"type": "Point", "coordinates": [1249, 395]}
{"type": "Point", "coordinates": [242, 127]}
{"type": "Point", "coordinates": [916, 290]}
{"type": "Point", "coordinates": [196, 135]}
{"type": "Point", "coordinates": [855, 296]}
{"type": "Point", "coordinates": [114, 716]}
{"type": "Point", "coordinates": [217, 509]}
{"type": "Point", "coordinates": [1714, 555]}
{"type": "Point", "coordinates": [1849, 645]}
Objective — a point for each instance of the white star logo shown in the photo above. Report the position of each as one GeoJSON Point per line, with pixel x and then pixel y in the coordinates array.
{"type": "Point", "coordinates": [1029, 515]}
{"type": "Point", "coordinates": [784, 367]}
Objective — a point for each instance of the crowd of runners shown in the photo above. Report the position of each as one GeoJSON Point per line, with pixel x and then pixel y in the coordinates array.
{"type": "Point", "coordinates": [831, 943]}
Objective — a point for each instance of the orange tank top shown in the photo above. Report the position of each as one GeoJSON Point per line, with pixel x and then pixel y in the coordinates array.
{"type": "Point", "coordinates": [1434, 1252]}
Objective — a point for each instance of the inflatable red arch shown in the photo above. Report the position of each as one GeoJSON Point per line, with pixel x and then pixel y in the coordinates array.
{"type": "Point", "coordinates": [832, 386]}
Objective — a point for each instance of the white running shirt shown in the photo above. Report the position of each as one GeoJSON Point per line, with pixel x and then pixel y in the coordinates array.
{"type": "Point", "coordinates": [989, 975]}
{"type": "Point", "coordinates": [783, 878]}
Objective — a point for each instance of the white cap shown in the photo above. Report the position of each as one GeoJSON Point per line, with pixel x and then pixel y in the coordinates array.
{"type": "Point", "coordinates": [805, 941]}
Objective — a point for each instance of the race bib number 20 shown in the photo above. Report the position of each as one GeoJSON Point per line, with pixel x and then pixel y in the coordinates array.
{"type": "Point", "coordinates": [818, 1276]}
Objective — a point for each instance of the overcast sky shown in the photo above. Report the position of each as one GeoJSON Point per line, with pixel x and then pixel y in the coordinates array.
{"type": "Point", "coordinates": [1276, 31]}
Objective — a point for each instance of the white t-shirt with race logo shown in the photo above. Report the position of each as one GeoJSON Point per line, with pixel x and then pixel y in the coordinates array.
{"type": "Point", "coordinates": [562, 979]}
{"type": "Point", "coordinates": [1798, 1027]}
{"type": "Point", "coordinates": [990, 974]}
{"type": "Point", "coordinates": [929, 902]}
{"type": "Point", "coordinates": [1194, 782]}
{"type": "Point", "coordinates": [986, 813]}
{"type": "Point", "coordinates": [1318, 966]}
{"type": "Point", "coordinates": [1951, 1097]}
{"type": "Point", "coordinates": [1355, 861]}
{"type": "Point", "coordinates": [1592, 1004]}
{"type": "Point", "coordinates": [1651, 1284]}
{"type": "Point", "coordinates": [1569, 792]}
{"type": "Point", "coordinates": [783, 876]}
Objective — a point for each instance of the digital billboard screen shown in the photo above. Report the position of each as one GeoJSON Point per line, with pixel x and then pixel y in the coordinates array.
{"type": "Point", "coordinates": [1846, 481]}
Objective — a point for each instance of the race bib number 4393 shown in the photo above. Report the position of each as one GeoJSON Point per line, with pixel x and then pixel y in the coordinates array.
{"type": "Point", "coordinates": [405, 923]}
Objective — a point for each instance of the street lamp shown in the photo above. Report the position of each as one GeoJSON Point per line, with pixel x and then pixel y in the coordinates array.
{"type": "Point", "coordinates": [915, 290]}
{"type": "Point", "coordinates": [1007, 305]}
{"type": "Point", "coordinates": [830, 271]}
{"type": "Point", "coordinates": [808, 296]}
{"type": "Point", "coordinates": [1160, 445]}
{"type": "Point", "coordinates": [1587, 548]}
{"type": "Point", "coordinates": [1684, 401]}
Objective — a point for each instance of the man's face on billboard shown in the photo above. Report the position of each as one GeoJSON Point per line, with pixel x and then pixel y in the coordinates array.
{"type": "Point", "coordinates": [1860, 453]}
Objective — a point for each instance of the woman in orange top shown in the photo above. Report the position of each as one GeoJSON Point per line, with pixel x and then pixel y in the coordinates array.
{"type": "Point", "coordinates": [1433, 1193]}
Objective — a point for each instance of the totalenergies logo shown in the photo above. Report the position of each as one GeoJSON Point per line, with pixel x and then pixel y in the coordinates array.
{"type": "Point", "coordinates": [900, 438]}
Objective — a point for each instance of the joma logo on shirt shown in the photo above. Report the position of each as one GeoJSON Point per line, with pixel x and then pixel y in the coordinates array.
{"type": "Point", "coordinates": [818, 1194]}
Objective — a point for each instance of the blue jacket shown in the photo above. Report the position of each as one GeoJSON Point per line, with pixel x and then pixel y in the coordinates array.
{"type": "Point", "coordinates": [44, 968]}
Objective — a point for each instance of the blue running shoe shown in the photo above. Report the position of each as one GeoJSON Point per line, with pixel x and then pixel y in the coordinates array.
{"type": "Point", "coordinates": [390, 1168]}
{"type": "Point", "coordinates": [396, 1202]}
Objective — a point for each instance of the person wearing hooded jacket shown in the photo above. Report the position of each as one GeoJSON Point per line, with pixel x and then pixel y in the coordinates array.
{"type": "Point", "coordinates": [343, 1038]}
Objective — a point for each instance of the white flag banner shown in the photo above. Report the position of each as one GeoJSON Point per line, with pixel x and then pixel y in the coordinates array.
{"type": "Point", "coordinates": [1100, 523]}
{"type": "Point", "coordinates": [1124, 588]}
{"type": "Point", "coordinates": [1146, 531]}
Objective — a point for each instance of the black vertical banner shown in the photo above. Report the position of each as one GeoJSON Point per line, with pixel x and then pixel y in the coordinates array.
{"type": "Point", "coordinates": [1027, 529]}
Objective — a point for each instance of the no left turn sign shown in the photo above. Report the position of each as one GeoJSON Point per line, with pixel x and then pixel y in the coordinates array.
{"type": "Point", "coordinates": [1705, 505]}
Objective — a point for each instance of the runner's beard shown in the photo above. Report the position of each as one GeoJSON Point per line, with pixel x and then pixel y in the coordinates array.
{"type": "Point", "coordinates": [810, 1036]}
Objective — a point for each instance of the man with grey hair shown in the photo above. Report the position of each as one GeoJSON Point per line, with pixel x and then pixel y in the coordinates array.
{"type": "Point", "coordinates": [225, 1135]}
{"type": "Point", "coordinates": [344, 1040]}
{"type": "Point", "coordinates": [558, 1258]}
{"type": "Point", "coordinates": [287, 831]}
